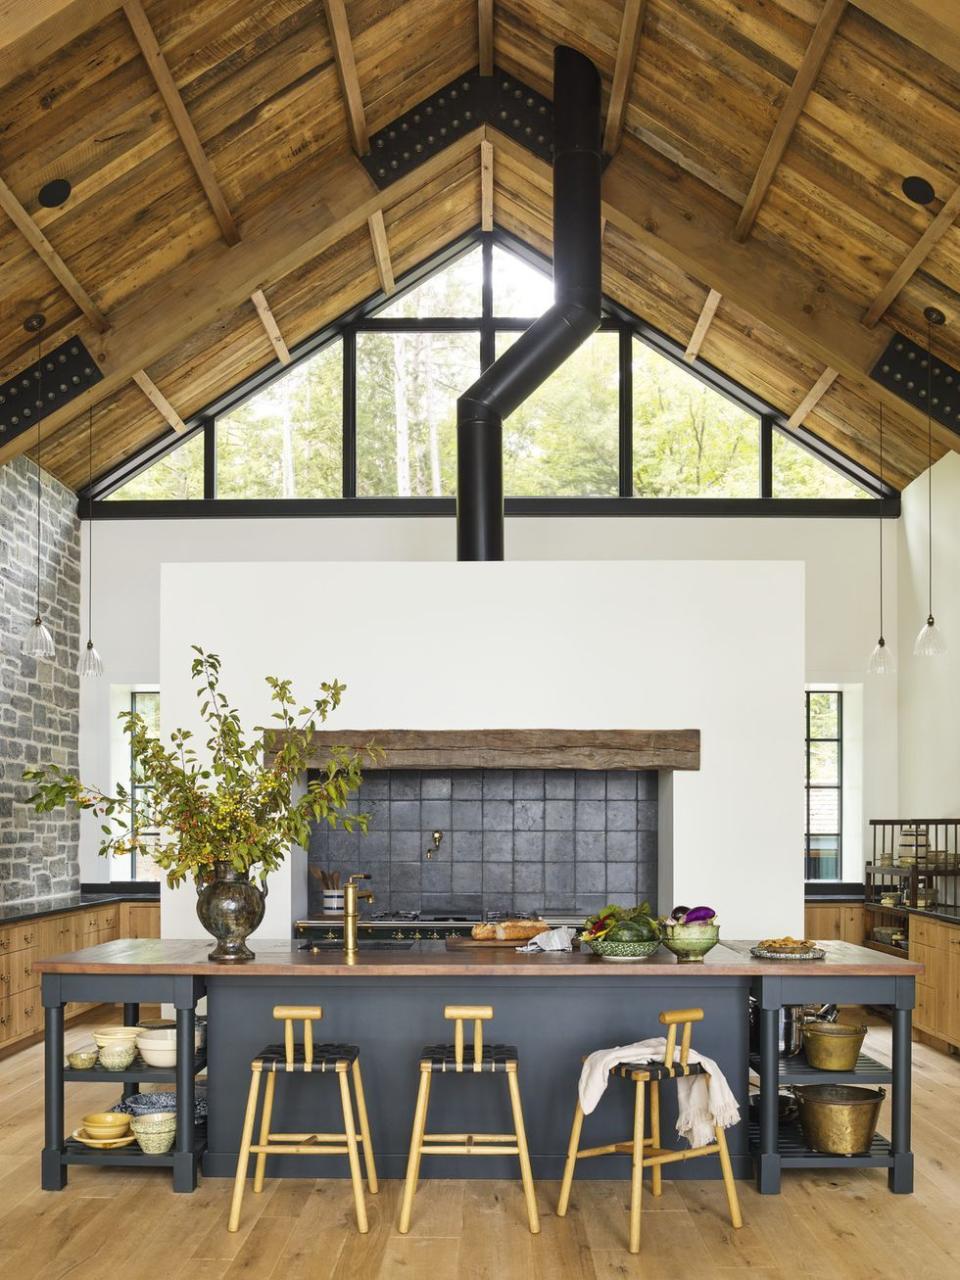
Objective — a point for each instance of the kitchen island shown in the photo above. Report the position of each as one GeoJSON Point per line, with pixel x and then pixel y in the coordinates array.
{"type": "Point", "coordinates": [555, 1007]}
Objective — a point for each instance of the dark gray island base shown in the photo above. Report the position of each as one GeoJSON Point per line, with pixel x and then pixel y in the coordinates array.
{"type": "Point", "coordinates": [554, 1008]}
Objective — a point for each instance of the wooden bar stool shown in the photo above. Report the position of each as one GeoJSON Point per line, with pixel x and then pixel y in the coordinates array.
{"type": "Point", "coordinates": [477, 1057]}
{"type": "Point", "coordinates": [646, 1151]}
{"type": "Point", "coordinates": [341, 1059]}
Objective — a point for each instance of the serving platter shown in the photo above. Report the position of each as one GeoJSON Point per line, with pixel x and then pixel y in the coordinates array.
{"type": "Point", "coordinates": [102, 1144]}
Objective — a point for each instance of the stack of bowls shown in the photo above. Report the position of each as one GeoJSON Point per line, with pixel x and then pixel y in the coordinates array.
{"type": "Point", "coordinates": [155, 1131]}
{"type": "Point", "coordinates": [117, 1045]}
{"type": "Point", "coordinates": [158, 1048]}
{"type": "Point", "coordinates": [106, 1124]}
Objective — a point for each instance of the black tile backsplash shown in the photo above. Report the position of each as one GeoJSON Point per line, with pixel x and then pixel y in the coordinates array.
{"type": "Point", "coordinates": [513, 840]}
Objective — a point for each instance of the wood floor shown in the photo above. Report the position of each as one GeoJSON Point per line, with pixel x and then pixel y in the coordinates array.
{"type": "Point", "coordinates": [108, 1225]}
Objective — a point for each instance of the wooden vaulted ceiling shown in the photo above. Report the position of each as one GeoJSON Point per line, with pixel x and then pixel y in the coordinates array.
{"type": "Point", "coordinates": [219, 214]}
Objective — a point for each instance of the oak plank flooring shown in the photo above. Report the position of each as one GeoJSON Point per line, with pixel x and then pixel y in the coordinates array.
{"type": "Point", "coordinates": [825, 1226]}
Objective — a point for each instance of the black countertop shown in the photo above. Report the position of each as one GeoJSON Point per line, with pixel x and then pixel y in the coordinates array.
{"type": "Point", "coordinates": [14, 912]}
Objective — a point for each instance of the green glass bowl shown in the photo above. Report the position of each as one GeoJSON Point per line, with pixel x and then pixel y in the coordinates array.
{"type": "Point", "coordinates": [690, 942]}
{"type": "Point", "coordinates": [621, 952]}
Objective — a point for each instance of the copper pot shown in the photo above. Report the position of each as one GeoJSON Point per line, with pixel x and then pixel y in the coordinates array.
{"type": "Point", "coordinates": [838, 1119]}
{"type": "Point", "coordinates": [830, 1046]}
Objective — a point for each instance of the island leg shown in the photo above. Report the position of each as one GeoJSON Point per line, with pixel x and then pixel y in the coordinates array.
{"type": "Point", "coordinates": [131, 1016]}
{"type": "Point", "coordinates": [900, 1176]}
{"type": "Point", "coordinates": [768, 1159]}
{"type": "Point", "coordinates": [53, 1172]}
{"type": "Point", "coordinates": [185, 1156]}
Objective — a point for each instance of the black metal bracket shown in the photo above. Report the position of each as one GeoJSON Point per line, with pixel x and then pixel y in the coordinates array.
{"type": "Point", "coordinates": [45, 386]}
{"type": "Point", "coordinates": [902, 369]}
{"type": "Point", "coordinates": [453, 111]}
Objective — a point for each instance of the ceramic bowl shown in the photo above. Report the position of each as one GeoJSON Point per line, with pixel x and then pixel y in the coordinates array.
{"type": "Point", "coordinates": [623, 952]}
{"type": "Point", "coordinates": [141, 1104]}
{"type": "Point", "coordinates": [106, 1124]}
{"type": "Point", "coordinates": [166, 1036]}
{"type": "Point", "coordinates": [117, 1057]}
{"type": "Point", "coordinates": [85, 1058]}
{"type": "Point", "coordinates": [115, 1035]}
{"type": "Point", "coordinates": [690, 942]}
{"type": "Point", "coordinates": [154, 1139]}
{"type": "Point", "coordinates": [156, 1054]}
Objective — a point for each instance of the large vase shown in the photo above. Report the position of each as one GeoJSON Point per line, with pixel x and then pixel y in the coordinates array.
{"type": "Point", "coordinates": [230, 908]}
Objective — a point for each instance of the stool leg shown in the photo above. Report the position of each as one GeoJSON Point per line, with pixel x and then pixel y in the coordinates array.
{"type": "Point", "coordinates": [636, 1178]}
{"type": "Point", "coordinates": [364, 1129]}
{"type": "Point", "coordinates": [267, 1116]}
{"type": "Point", "coordinates": [352, 1153]}
{"type": "Point", "coordinates": [656, 1173]}
{"type": "Point", "coordinates": [526, 1173]}
{"type": "Point", "coordinates": [416, 1146]}
{"type": "Point", "coordinates": [729, 1182]}
{"type": "Point", "coordinates": [243, 1159]}
{"type": "Point", "coordinates": [570, 1166]}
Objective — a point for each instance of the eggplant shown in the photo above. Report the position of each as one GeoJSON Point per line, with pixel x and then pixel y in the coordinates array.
{"type": "Point", "coordinates": [699, 915]}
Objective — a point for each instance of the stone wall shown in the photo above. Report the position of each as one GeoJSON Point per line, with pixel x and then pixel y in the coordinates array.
{"type": "Point", "coordinates": [39, 701]}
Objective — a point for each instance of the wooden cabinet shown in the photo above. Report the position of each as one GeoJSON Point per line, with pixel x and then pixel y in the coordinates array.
{"type": "Point", "coordinates": [839, 921]}
{"type": "Point", "coordinates": [140, 920]}
{"type": "Point", "coordinates": [936, 945]}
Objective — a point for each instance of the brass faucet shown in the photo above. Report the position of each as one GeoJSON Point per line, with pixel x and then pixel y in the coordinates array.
{"type": "Point", "coordinates": [351, 898]}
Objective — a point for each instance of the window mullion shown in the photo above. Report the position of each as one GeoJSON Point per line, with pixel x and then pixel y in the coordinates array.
{"type": "Point", "coordinates": [350, 413]}
{"type": "Point", "coordinates": [626, 412]}
{"type": "Point", "coordinates": [488, 337]}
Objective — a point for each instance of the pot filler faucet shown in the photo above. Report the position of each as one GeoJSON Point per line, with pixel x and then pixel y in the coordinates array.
{"type": "Point", "coordinates": [351, 900]}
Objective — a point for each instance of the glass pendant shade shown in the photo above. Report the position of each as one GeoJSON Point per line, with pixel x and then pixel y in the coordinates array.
{"type": "Point", "coordinates": [930, 642]}
{"type": "Point", "coordinates": [37, 640]}
{"type": "Point", "coordinates": [882, 662]}
{"type": "Point", "coordinates": [90, 664]}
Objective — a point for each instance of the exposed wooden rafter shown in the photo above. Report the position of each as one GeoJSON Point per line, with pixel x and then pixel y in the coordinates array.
{"type": "Point", "coordinates": [347, 71]}
{"type": "Point", "coordinates": [159, 400]}
{"type": "Point", "coordinates": [157, 64]}
{"type": "Point", "coordinates": [704, 321]}
{"type": "Point", "coordinates": [631, 26]}
{"type": "Point", "coordinates": [930, 25]}
{"type": "Point", "coordinates": [381, 251]}
{"type": "Point", "coordinates": [486, 185]}
{"type": "Point", "coordinates": [269, 322]}
{"type": "Point", "coordinates": [934, 233]}
{"type": "Point", "coordinates": [813, 397]}
{"type": "Point", "coordinates": [485, 36]}
{"type": "Point", "coordinates": [793, 105]}
{"type": "Point", "coordinates": [42, 247]}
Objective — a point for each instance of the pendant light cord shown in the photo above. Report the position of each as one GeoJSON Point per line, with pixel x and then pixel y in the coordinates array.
{"type": "Point", "coordinates": [929, 470]}
{"type": "Point", "coordinates": [39, 477]}
{"type": "Point", "coordinates": [880, 522]}
{"type": "Point", "coordinates": [90, 526]}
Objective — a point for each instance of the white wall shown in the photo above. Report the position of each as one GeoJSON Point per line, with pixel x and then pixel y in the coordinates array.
{"type": "Point", "coordinates": [930, 687]}
{"type": "Point", "coordinates": [649, 644]}
{"type": "Point", "coordinates": [839, 558]}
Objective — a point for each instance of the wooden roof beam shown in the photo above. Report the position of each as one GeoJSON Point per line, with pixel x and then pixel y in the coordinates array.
{"type": "Point", "coordinates": [339, 30]}
{"type": "Point", "coordinates": [157, 65]}
{"type": "Point", "coordinates": [813, 397]}
{"type": "Point", "coordinates": [159, 400]}
{"type": "Point", "coordinates": [930, 25]}
{"type": "Point", "coordinates": [269, 322]}
{"type": "Point", "coordinates": [704, 321]}
{"type": "Point", "coordinates": [631, 26]}
{"type": "Point", "coordinates": [793, 105]}
{"type": "Point", "coordinates": [934, 233]}
{"type": "Point", "coordinates": [381, 251]}
{"type": "Point", "coordinates": [44, 250]}
{"type": "Point", "coordinates": [486, 185]}
{"type": "Point", "coordinates": [485, 36]}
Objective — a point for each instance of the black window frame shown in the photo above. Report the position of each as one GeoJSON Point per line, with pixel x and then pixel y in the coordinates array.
{"type": "Point", "coordinates": [810, 860]}
{"type": "Point", "coordinates": [367, 318]}
{"type": "Point", "coordinates": [135, 788]}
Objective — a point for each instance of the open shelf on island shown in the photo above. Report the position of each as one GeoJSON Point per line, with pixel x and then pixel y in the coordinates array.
{"type": "Point", "coordinates": [76, 1153]}
{"type": "Point", "coordinates": [796, 1070]}
{"type": "Point", "coordinates": [138, 1071]}
{"type": "Point", "coordinates": [795, 1154]}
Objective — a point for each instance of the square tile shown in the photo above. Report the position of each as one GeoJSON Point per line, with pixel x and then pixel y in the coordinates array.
{"type": "Point", "coordinates": [404, 815]}
{"type": "Point", "coordinates": [528, 878]}
{"type": "Point", "coordinates": [558, 846]}
{"type": "Point", "coordinates": [405, 846]}
{"type": "Point", "coordinates": [648, 785]}
{"type": "Point", "coordinates": [588, 904]}
{"type": "Point", "coordinates": [467, 877]}
{"type": "Point", "coordinates": [591, 784]}
{"type": "Point", "coordinates": [378, 814]}
{"type": "Point", "coordinates": [404, 879]}
{"type": "Point", "coordinates": [621, 878]}
{"type": "Point", "coordinates": [435, 877]}
{"type": "Point", "coordinates": [559, 784]}
{"type": "Point", "coordinates": [528, 815]}
{"type": "Point", "coordinates": [435, 815]}
{"type": "Point", "coordinates": [375, 786]}
{"type": "Point", "coordinates": [591, 846]}
{"type": "Point", "coordinates": [591, 815]}
{"type": "Point", "coordinates": [647, 847]}
{"type": "Point", "coordinates": [341, 843]}
{"type": "Point", "coordinates": [591, 877]}
{"type": "Point", "coordinates": [498, 846]}
{"type": "Point", "coordinates": [558, 815]}
{"type": "Point", "coordinates": [497, 877]}
{"type": "Point", "coordinates": [528, 902]}
{"type": "Point", "coordinates": [528, 846]}
{"type": "Point", "coordinates": [528, 784]}
{"type": "Point", "coordinates": [621, 846]}
{"type": "Point", "coordinates": [621, 785]}
{"type": "Point", "coordinates": [621, 815]}
{"type": "Point", "coordinates": [559, 881]}
{"type": "Point", "coordinates": [497, 815]}
{"type": "Point", "coordinates": [467, 845]}
{"type": "Point", "coordinates": [467, 815]}
{"type": "Point", "coordinates": [375, 844]}
{"type": "Point", "coordinates": [647, 815]}
{"type": "Point", "coordinates": [404, 785]}
{"type": "Point", "coordinates": [405, 901]}
{"type": "Point", "coordinates": [467, 784]}
{"type": "Point", "coordinates": [436, 786]}
{"type": "Point", "coordinates": [497, 784]}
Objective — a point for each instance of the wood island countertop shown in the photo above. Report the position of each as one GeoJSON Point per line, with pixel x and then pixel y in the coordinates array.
{"type": "Point", "coordinates": [432, 959]}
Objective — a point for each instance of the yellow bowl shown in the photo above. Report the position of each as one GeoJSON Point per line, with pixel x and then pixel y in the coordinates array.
{"type": "Point", "coordinates": [115, 1123]}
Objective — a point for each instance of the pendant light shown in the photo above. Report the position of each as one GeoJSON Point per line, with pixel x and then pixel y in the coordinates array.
{"type": "Point", "coordinates": [882, 662]}
{"type": "Point", "coordinates": [37, 641]}
{"type": "Point", "coordinates": [90, 663]}
{"type": "Point", "coordinates": [930, 642]}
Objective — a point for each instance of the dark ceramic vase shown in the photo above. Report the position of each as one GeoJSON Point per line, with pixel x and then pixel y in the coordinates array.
{"type": "Point", "coordinates": [230, 908]}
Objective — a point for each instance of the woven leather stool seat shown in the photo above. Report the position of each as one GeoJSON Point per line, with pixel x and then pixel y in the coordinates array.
{"type": "Point", "coordinates": [656, 1070]}
{"type": "Point", "coordinates": [325, 1057]}
{"type": "Point", "coordinates": [442, 1057]}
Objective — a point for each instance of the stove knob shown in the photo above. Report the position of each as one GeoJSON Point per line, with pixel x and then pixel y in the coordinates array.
{"type": "Point", "coordinates": [331, 936]}
{"type": "Point", "coordinates": [435, 937]}
{"type": "Point", "coordinates": [398, 935]}
{"type": "Point", "coordinates": [417, 936]}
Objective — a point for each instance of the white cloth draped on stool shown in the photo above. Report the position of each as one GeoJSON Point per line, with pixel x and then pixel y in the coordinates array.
{"type": "Point", "coordinates": [703, 1100]}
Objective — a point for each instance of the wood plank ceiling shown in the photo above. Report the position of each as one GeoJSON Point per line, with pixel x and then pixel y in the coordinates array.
{"type": "Point", "coordinates": [218, 215]}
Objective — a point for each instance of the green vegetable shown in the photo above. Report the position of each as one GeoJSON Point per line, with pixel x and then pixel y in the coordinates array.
{"type": "Point", "coordinates": [640, 930]}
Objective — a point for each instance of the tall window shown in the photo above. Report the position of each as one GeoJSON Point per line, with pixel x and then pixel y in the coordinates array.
{"type": "Point", "coordinates": [145, 703]}
{"type": "Point", "coordinates": [371, 413]}
{"type": "Point", "coordinates": [824, 785]}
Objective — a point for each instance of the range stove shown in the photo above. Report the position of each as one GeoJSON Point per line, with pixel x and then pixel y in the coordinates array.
{"type": "Point", "coordinates": [410, 926]}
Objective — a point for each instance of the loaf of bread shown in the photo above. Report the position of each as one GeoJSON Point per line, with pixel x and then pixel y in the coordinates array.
{"type": "Point", "coordinates": [484, 932]}
{"type": "Point", "coordinates": [519, 930]}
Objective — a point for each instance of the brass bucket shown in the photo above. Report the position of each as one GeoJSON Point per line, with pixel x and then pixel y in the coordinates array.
{"type": "Point", "coordinates": [838, 1119]}
{"type": "Point", "coordinates": [829, 1046]}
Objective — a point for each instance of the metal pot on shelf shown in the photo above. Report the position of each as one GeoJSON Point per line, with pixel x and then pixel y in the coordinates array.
{"type": "Point", "coordinates": [791, 1023]}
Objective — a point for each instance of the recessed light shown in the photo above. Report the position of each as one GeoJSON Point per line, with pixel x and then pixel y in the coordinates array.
{"type": "Point", "coordinates": [917, 189]}
{"type": "Point", "coordinates": [54, 193]}
{"type": "Point", "coordinates": [933, 315]}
